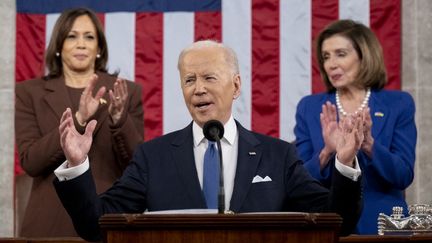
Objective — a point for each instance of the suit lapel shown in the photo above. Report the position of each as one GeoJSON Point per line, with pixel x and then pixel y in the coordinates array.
{"type": "Point", "coordinates": [379, 114]}
{"type": "Point", "coordinates": [184, 159]}
{"type": "Point", "coordinates": [249, 155]}
{"type": "Point", "coordinates": [57, 98]}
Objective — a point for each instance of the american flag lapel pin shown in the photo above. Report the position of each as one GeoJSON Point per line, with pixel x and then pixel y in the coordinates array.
{"type": "Point", "coordinates": [379, 114]}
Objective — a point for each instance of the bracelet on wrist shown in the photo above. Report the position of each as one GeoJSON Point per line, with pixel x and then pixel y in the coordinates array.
{"type": "Point", "coordinates": [81, 124]}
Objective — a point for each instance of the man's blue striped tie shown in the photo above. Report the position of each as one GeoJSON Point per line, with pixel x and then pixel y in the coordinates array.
{"type": "Point", "coordinates": [211, 176]}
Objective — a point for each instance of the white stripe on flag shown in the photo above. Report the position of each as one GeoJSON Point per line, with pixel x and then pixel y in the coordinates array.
{"type": "Point", "coordinates": [120, 35]}
{"type": "Point", "coordinates": [178, 32]}
{"type": "Point", "coordinates": [237, 34]}
{"type": "Point", "coordinates": [50, 22]}
{"type": "Point", "coordinates": [295, 61]}
{"type": "Point", "coordinates": [357, 10]}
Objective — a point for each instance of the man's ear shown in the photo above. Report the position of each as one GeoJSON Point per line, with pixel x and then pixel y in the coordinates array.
{"type": "Point", "coordinates": [237, 86]}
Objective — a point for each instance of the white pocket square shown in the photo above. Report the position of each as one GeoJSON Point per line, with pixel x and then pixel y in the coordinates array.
{"type": "Point", "coordinates": [258, 179]}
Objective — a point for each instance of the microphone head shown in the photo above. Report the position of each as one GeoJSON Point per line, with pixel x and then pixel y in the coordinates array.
{"type": "Point", "coordinates": [213, 130]}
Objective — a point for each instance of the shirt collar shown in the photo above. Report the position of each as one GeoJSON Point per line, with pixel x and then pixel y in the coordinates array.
{"type": "Point", "coordinates": [230, 132]}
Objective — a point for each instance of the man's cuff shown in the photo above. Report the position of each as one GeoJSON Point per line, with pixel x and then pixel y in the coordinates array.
{"type": "Point", "coordinates": [347, 171]}
{"type": "Point", "coordinates": [64, 173]}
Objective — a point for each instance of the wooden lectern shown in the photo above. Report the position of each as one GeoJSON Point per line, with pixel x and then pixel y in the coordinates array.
{"type": "Point", "coordinates": [227, 228]}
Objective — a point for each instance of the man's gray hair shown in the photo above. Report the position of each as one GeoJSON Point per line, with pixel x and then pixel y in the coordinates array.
{"type": "Point", "coordinates": [230, 55]}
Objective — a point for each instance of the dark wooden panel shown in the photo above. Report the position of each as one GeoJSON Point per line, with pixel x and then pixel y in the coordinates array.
{"type": "Point", "coordinates": [43, 240]}
{"type": "Point", "coordinates": [251, 228]}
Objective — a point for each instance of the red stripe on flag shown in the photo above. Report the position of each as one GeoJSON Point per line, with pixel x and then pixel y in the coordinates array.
{"type": "Point", "coordinates": [385, 21]}
{"type": "Point", "coordinates": [29, 60]}
{"type": "Point", "coordinates": [323, 12]}
{"type": "Point", "coordinates": [101, 17]}
{"type": "Point", "coordinates": [265, 67]}
{"type": "Point", "coordinates": [148, 70]}
{"type": "Point", "coordinates": [208, 25]}
{"type": "Point", "coordinates": [30, 46]}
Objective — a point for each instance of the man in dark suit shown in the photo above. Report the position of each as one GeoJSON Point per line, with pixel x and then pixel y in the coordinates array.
{"type": "Point", "coordinates": [262, 174]}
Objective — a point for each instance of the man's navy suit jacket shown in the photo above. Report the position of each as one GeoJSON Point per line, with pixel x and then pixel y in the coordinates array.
{"type": "Point", "coordinates": [163, 176]}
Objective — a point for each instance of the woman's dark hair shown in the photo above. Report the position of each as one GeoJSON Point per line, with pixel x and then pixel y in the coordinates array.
{"type": "Point", "coordinates": [59, 33]}
{"type": "Point", "coordinates": [372, 72]}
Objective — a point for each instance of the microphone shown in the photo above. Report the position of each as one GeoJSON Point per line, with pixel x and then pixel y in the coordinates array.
{"type": "Point", "coordinates": [213, 131]}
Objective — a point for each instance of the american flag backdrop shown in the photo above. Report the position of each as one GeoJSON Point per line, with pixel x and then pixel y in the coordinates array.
{"type": "Point", "coordinates": [272, 38]}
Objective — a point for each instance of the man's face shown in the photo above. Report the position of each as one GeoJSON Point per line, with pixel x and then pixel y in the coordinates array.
{"type": "Point", "coordinates": [209, 85]}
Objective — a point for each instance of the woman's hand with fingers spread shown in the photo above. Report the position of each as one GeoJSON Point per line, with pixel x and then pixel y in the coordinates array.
{"type": "Point", "coordinates": [88, 103]}
{"type": "Point", "coordinates": [75, 145]}
{"type": "Point", "coordinates": [330, 132]}
{"type": "Point", "coordinates": [351, 138]}
{"type": "Point", "coordinates": [118, 98]}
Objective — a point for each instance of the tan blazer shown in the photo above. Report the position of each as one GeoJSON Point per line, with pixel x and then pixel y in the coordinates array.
{"type": "Point", "coordinates": [39, 106]}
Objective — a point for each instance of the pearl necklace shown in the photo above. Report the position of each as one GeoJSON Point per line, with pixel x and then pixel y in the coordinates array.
{"type": "Point", "coordinates": [362, 106]}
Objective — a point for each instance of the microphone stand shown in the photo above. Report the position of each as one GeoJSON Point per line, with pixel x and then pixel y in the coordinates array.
{"type": "Point", "coordinates": [221, 194]}
{"type": "Point", "coordinates": [213, 131]}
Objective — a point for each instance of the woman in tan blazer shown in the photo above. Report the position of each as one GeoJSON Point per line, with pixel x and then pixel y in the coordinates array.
{"type": "Point", "coordinates": [77, 78]}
